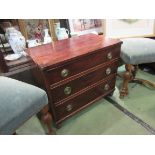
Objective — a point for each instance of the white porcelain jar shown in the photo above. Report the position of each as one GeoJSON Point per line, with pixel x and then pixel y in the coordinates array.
{"type": "Point", "coordinates": [15, 39]}
{"type": "Point", "coordinates": [62, 33]}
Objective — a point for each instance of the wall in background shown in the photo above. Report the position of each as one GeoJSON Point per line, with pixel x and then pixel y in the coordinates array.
{"type": "Point", "coordinates": [119, 28]}
{"type": "Point", "coordinates": [115, 28]}
{"type": "Point", "coordinates": [84, 26]}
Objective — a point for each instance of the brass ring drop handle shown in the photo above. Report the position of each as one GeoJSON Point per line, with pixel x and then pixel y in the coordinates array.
{"type": "Point", "coordinates": [109, 56]}
{"type": "Point", "coordinates": [69, 107]}
{"type": "Point", "coordinates": [67, 90]}
{"type": "Point", "coordinates": [106, 87]}
{"type": "Point", "coordinates": [64, 72]}
{"type": "Point", "coordinates": [108, 70]}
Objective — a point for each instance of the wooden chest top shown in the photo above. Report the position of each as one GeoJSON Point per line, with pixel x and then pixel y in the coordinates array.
{"type": "Point", "coordinates": [58, 52]}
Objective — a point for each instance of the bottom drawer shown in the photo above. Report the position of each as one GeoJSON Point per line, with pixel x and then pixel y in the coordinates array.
{"type": "Point", "coordinates": [76, 104]}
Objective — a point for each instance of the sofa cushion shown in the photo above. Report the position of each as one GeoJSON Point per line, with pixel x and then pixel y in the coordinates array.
{"type": "Point", "coordinates": [138, 50]}
{"type": "Point", "coordinates": [18, 102]}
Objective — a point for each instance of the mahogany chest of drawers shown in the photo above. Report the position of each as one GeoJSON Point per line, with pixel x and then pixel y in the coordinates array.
{"type": "Point", "coordinates": [76, 72]}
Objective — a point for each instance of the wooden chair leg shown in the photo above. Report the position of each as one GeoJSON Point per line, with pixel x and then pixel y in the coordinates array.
{"type": "Point", "coordinates": [134, 70]}
{"type": "Point", "coordinates": [145, 82]}
{"type": "Point", "coordinates": [127, 76]}
{"type": "Point", "coordinates": [47, 119]}
{"type": "Point", "coordinates": [141, 81]}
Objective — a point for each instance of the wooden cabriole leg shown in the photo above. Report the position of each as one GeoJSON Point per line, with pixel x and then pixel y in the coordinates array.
{"type": "Point", "coordinates": [130, 76]}
{"type": "Point", "coordinates": [47, 119]}
{"type": "Point", "coordinates": [134, 70]}
{"type": "Point", "coordinates": [127, 77]}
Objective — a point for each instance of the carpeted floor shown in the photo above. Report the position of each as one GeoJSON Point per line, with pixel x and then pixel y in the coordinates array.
{"type": "Point", "coordinates": [105, 118]}
{"type": "Point", "coordinates": [141, 100]}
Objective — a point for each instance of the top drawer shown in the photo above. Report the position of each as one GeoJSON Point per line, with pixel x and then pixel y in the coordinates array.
{"type": "Point", "coordinates": [62, 72]}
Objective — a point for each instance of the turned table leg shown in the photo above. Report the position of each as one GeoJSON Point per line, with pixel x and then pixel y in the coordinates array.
{"type": "Point", "coordinates": [47, 119]}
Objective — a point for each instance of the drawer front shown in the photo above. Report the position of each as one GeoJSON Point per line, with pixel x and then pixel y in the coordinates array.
{"type": "Point", "coordinates": [76, 104]}
{"type": "Point", "coordinates": [80, 83]}
{"type": "Point", "coordinates": [79, 65]}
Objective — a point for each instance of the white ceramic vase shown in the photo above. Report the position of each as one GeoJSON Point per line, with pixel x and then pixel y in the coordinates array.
{"type": "Point", "coordinates": [16, 40]}
{"type": "Point", "coordinates": [47, 38]}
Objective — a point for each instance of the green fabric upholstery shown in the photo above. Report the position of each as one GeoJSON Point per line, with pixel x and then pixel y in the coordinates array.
{"type": "Point", "coordinates": [138, 50]}
{"type": "Point", "coordinates": [18, 102]}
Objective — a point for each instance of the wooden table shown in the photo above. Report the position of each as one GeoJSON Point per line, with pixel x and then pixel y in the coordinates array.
{"type": "Point", "coordinates": [17, 66]}
{"type": "Point", "coordinates": [76, 72]}
{"type": "Point", "coordinates": [21, 69]}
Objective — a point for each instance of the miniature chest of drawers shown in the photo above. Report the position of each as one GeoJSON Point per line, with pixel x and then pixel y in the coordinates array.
{"type": "Point", "coordinates": [76, 72]}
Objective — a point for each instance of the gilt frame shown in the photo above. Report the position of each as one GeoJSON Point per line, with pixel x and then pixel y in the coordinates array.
{"type": "Point", "coordinates": [22, 28]}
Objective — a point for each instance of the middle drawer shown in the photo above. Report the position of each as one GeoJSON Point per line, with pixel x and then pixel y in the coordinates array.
{"type": "Point", "coordinates": [63, 91]}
